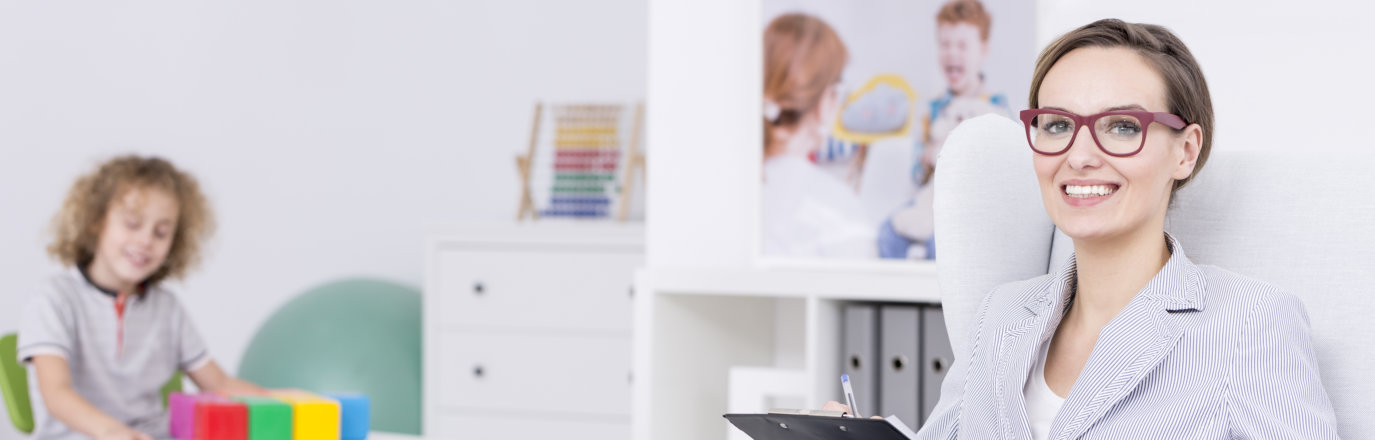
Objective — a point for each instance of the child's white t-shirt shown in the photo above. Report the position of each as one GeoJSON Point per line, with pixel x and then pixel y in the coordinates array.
{"type": "Point", "coordinates": [119, 361]}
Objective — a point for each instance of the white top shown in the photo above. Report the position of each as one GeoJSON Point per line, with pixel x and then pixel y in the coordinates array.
{"type": "Point", "coordinates": [119, 356]}
{"type": "Point", "coordinates": [1041, 403]}
{"type": "Point", "coordinates": [809, 213]}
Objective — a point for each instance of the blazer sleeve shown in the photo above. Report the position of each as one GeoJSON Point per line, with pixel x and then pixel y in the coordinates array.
{"type": "Point", "coordinates": [1274, 390]}
{"type": "Point", "coordinates": [944, 421]}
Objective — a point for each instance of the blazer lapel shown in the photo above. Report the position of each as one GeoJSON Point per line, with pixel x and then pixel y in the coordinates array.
{"type": "Point", "coordinates": [1127, 349]}
{"type": "Point", "coordinates": [1018, 343]}
{"type": "Point", "coordinates": [1131, 345]}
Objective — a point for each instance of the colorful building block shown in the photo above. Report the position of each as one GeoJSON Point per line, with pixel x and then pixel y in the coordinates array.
{"type": "Point", "coordinates": [181, 413]}
{"type": "Point", "coordinates": [312, 417]}
{"type": "Point", "coordinates": [355, 415]}
{"type": "Point", "coordinates": [217, 418]}
{"type": "Point", "coordinates": [268, 418]}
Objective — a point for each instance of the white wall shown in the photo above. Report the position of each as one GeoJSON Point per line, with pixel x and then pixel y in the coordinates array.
{"type": "Point", "coordinates": [330, 135]}
{"type": "Point", "coordinates": [1287, 76]}
{"type": "Point", "coordinates": [1284, 75]}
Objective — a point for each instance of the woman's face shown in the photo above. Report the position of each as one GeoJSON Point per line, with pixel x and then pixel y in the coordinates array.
{"type": "Point", "coordinates": [1093, 80]}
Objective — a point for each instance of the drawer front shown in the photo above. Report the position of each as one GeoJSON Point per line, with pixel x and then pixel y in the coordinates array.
{"type": "Point", "coordinates": [527, 372]}
{"type": "Point", "coordinates": [464, 426]}
{"type": "Point", "coordinates": [553, 288]}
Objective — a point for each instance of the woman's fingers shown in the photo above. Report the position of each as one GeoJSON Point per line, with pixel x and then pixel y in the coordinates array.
{"type": "Point", "coordinates": [836, 406]}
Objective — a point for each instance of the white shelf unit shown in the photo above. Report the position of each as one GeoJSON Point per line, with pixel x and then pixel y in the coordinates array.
{"type": "Point", "coordinates": [692, 326]}
{"type": "Point", "coordinates": [528, 331]}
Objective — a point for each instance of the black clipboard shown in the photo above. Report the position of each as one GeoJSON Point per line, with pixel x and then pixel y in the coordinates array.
{"type": "Point", "coordinates": [810, 427]}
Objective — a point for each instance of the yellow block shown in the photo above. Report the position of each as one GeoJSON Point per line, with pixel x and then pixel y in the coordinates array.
{"type": "Point", "coordinates": [313, 417]}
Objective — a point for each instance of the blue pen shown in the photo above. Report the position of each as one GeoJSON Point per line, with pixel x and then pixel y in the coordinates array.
{"type": "Point", "coordinates": [849, 394]}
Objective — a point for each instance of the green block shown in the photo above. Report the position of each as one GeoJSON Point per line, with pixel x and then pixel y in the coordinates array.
{"type": "Point", "coordinates": [576, 177]}
{"type": "Point", "coordinates": [268, 418]}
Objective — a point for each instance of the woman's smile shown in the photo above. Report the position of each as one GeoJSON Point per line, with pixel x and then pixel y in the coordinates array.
{"type": "Point", "coordinates": [1083, 193]}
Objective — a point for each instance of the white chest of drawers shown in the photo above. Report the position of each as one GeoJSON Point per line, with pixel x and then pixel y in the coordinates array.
{"type": "Point", "coordinates": [527, 331]}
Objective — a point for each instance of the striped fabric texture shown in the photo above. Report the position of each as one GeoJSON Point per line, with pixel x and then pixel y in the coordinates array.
{"type": "Point", "coordinates": [1199, 353]}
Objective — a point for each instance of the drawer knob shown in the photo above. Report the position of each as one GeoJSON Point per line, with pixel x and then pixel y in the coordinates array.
{"type": "Point", "coordinates": [899, 362]}
{"type": "Point", "coordinates": [478, 288]}
{"type": "Point", "coordinates": [478, 372]}
{"type": "Point", "coordinates": [938, 365]}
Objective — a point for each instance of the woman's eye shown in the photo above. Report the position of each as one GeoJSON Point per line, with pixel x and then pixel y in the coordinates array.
{"type": "Point", "coordinates": [1124, 128]}
{"type": "Point", "coordinates": [1056, 127]}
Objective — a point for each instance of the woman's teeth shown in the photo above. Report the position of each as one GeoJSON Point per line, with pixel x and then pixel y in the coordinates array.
{"type": "Point", "coordinates": [1085, 191]}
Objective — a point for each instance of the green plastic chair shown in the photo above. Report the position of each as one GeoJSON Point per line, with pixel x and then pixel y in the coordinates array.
{"type": "Point", "coordinates": [14, 384]}
{"type": "Point", "coordinates": [348, 336]}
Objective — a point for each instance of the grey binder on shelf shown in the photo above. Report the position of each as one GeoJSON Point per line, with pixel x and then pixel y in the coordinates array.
{"type": "Point", "coordinates": [900, 372]}
{"type": "Point", "coordinates": [936, 356]}
{"type": "Point", "coordinates": [860, 348]}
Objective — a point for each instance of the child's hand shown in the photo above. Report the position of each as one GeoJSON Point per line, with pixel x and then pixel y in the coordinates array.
{"type": "Point", "coordinates": [123, 433]}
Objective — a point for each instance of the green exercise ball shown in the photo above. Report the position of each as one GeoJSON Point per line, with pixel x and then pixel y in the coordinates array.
{"type": "Point", "coordinates": [348, 336]}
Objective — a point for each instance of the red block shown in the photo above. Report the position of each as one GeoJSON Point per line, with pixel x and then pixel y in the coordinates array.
{"type": "Point", "coordinates": [221, 419]}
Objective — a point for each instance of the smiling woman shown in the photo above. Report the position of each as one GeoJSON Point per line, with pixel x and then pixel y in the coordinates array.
{"type": "Point", "coordinates": [1141, 98]}
{"type": "Point", "coordinates": [1129, 334]}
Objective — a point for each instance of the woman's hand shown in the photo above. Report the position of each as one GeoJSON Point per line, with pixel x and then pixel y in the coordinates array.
{"type": "Point", "coordinates": [837, 406]}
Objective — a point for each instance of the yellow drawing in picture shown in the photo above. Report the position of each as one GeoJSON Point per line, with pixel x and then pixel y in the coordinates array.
{"type": "Point", "coordinates": [879, 110]}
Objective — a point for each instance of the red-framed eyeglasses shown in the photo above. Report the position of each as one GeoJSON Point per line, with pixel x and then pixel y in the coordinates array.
{"type": "Point", "coordinates": [1119, 133]}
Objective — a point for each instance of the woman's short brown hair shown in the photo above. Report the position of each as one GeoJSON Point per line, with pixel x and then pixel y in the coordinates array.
{"type": "Point", "coordinates": [803, 58]}
{"type": "Point", "coordinates": [1186, 90]}
{"type": "Point", "coordinates": [78, 225]}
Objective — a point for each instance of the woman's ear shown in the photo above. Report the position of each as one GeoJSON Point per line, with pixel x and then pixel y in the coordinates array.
{"type": "Point", "coordinates": [1187, 152]}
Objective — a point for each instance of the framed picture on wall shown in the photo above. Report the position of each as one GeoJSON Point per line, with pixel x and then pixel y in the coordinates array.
{"type": "Point", "coordinates": [857, 99]}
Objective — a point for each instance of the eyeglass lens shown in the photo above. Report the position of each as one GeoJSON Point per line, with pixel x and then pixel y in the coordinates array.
{"type": "Point", "coordinates": [1118, 134]}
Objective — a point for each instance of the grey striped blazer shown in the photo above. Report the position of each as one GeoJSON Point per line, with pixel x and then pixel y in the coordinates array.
{"type": "Point", "coordinates": [1200, 352]}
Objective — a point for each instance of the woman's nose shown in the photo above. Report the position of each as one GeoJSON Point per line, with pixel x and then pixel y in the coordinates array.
{"type": "Point", "coordinates": [1084, 152]}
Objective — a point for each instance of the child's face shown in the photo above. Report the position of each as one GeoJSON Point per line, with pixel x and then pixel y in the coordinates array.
{"type": "Point", "coordinates": [962, 53]}
{"type": "Point", "coordinates": [136, 236]}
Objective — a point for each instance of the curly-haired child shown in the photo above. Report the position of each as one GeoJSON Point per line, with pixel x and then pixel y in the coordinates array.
{"type": "Point", "coordinates": [104, 335]}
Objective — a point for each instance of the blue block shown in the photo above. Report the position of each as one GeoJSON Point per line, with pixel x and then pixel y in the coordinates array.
{"type": "Point", "coordinates": [355, 414]}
